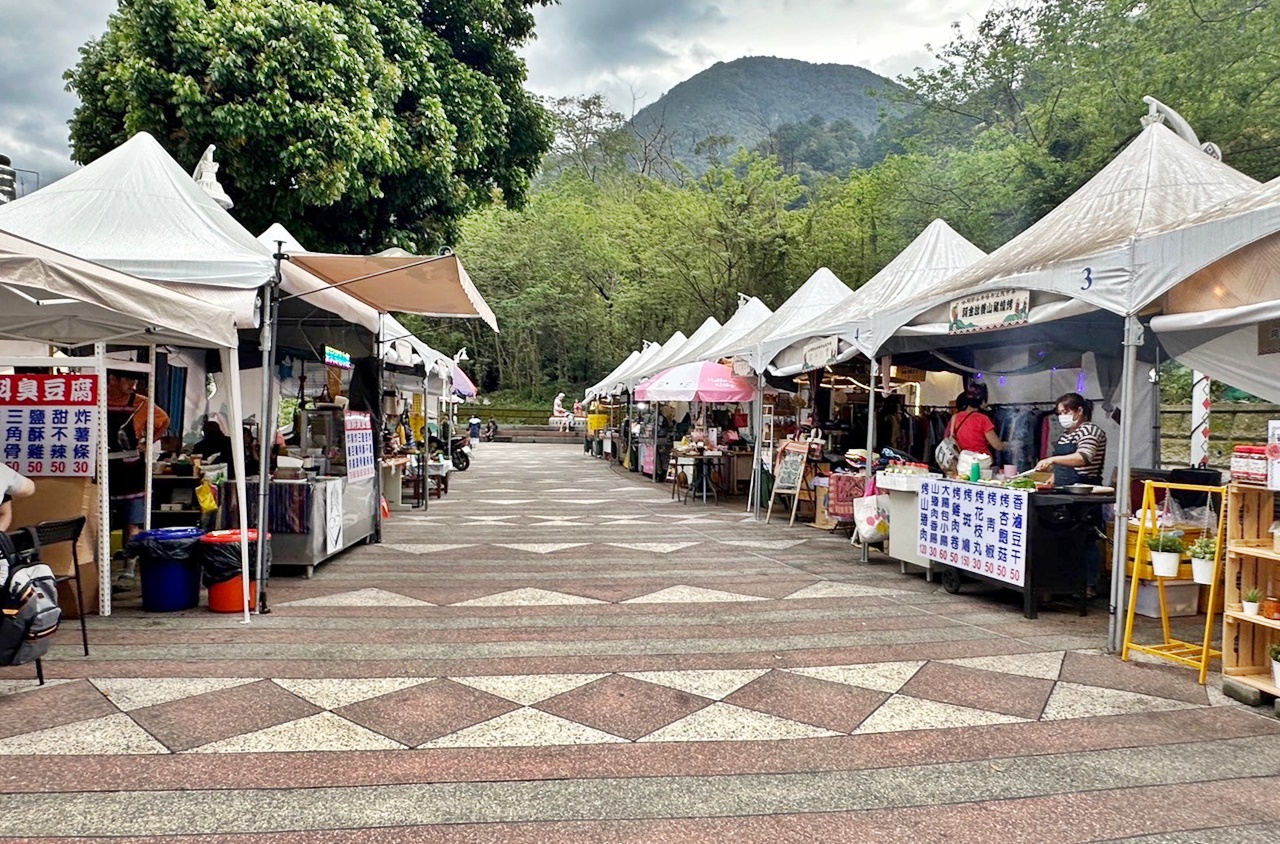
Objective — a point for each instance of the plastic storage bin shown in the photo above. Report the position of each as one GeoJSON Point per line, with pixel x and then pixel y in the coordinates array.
{"type": "Point", "coordinates": [220, 561]}
{"type": "Point", "coordinates": [169, 567]}
{"type": "Point", "coordinates": [1182, 597]}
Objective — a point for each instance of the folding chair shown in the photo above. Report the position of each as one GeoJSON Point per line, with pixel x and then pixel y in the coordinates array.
{"type": "Point", "coordinates": [66, 530]}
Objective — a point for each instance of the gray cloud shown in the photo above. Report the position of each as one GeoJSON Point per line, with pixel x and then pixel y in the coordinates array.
{"type": "Point", "coordinates": [36, 46]}
{"type": "Point", "coordinates": [627, 49]}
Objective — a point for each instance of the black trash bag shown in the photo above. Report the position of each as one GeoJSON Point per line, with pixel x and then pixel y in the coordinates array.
{"type": "Point", "coordinates": [149, 548]}
{"type": "Point", "coordinates": [220, 561]}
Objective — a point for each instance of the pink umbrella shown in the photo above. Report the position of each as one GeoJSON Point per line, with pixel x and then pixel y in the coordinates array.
{"type": "Point", "coordinates": [702, 381]}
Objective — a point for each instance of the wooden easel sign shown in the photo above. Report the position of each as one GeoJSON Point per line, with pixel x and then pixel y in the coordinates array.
{"type": "Point", "coordinates": [788, 476]}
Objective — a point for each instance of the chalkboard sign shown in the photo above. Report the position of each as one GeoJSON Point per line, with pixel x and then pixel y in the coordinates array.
{"type": "Point", "coordinates": [790, 469]}
{"type": "Point", "coordinates": [788, 477]}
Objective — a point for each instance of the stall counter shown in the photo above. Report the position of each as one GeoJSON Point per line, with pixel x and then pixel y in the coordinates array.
{"type": "Point", "coordinates": [1030, 542]}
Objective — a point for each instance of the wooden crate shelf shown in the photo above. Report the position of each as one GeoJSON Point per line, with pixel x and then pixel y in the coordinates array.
{"type": "Point", "coordinates": [1251, 562]}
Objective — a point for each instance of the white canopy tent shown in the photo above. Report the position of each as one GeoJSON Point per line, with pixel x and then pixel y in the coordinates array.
{"type": "Point", "coordinates": [1088, 254]}
{"type": "Point", "coordinates": [136, 210]}
{"type": "Point", "coordinates": [1087, 269]}
{"type": "Point", "coordinates": [817, 295]}
{"type": "Point", "coordinates": [1224, 319]}
{"type": "Point", "coordinates": [709, 327]}
{"type": "Point", "coordinates": [937, 254]}
{"type": "Point", "coordinates": [601, 387]}
{"type": "Point", "coordinates": [674, 344]}
{"type": "Point", "coordinates": [751, 312]}
{"type": "Point", "coordinates": [56, 299]}
{"type": "Point", "coordinates": [629, 378]}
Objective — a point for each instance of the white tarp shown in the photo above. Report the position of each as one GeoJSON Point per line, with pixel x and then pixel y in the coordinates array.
{"type": "Point", "coordinates": [601, 387]}
{"type": "Point", "coordinates": [937, 254]}
{"type": "Point", "coordinates": [619, 384]}
{"type": "Point", "coordinates": [670, 348]}
{"type": "Point", "coordinates": [640, 371]}
{"type": "Point", "coordinates": [136, 210]}
{"type": "Point", "coordinates": [1087, 249]}
{"type": "Point", "coordinates": [751, 312]}
{"type": "Point", "coordinates": [52, 297]}
{"type": "Point", "coordinates": [708, 328]}
{"type": "Point", "coordinates": [401, 347]}
{"type": "Point", "coordinates": [816, 296]}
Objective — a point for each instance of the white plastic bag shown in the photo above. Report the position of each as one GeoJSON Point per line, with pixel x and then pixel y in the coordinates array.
{"type": "Point", "coordinates": [870, 517]}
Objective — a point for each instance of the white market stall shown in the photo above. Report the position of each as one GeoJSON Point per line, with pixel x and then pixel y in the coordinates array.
{"type": "Point", "coordinates": [59, 300]}
{"type": "Point", "coordinates": [1078, 279]}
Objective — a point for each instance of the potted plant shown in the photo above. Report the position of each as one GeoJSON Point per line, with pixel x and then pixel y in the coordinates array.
{"type": "Point", "coordinates": [1203, 551]}
{"type": "Point", "coordinates": [1252, 597]}
{"type": "Point", "coordinates": [1275, 663]}
{"type": "Point", "coordinates": [1166, 554]}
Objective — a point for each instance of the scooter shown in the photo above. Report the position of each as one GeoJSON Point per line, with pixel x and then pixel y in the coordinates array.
{"type": "Point", "coordinates": [460, 449]}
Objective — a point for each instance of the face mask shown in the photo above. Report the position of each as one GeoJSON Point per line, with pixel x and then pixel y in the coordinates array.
{"type": "Point", "coordinates": [1066, 420]}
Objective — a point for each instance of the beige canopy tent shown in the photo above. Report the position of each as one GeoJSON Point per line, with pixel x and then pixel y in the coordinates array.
{"type": "Point", "coordinates": [56, 299]}
{"type": "Point", "coordinates": [396, 281]}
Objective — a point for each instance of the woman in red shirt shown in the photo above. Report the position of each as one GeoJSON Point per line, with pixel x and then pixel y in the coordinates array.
{"type": "Point", "coordinates": [972, 428]}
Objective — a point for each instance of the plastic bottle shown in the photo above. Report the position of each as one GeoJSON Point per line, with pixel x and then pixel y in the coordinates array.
{"type": "Point", "coordinates": [975, 472]}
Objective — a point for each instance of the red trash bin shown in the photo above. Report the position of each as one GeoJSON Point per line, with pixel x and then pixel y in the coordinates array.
{"type": "Point", "coordinates": [220, 549]}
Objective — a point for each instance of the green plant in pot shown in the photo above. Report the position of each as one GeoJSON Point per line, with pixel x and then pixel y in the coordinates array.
{"type": "Point", "coordinates": [1274, 650]}
{"type": "Point", "coordinates": [1166, 553]}
{"type": "Point", "coordinates": [1203, 552]}
{"type": "Point", "coordinates": [1250, 601]}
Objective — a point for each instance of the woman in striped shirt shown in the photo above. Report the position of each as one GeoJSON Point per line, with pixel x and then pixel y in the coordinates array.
{"type": "Point", "coordinates": [1080, 452]}
{"type": "Point", "coordinates": [1077, 459]}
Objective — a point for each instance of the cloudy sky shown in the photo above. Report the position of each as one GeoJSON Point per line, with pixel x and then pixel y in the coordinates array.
{"type": "Point", "coordinates": [632, 50]}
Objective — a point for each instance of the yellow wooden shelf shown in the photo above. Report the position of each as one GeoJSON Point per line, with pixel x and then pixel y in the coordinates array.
{"type": "Point", "coordinates": [1236, 615]}
{"type": "Point", "coordinates": [1266, 552]}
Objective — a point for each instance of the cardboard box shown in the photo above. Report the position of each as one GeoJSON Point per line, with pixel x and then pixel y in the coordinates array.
{"type": "Point", "coordinates": [60, 498]}
{"type": "Point", "coordinates": [89, 585]}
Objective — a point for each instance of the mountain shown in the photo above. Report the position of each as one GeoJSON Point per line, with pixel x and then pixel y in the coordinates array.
{"type": "Point", "coordinates": [748, 99]}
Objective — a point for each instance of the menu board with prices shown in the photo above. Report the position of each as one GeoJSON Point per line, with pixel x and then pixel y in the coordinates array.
{"type": "Point", "coordinates": [361, 458]}
{"type": "Point", "coordinates": [50, 424]}
{"type": "Point", "coordinates": [976, 529]}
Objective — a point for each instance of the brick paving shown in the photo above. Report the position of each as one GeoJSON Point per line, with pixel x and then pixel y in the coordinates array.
{"type": "Point", "coordinates": [557, 651]}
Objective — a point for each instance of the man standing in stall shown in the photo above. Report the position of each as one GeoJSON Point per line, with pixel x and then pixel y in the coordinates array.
{"type": "Point", "coordinates": [126, 458]}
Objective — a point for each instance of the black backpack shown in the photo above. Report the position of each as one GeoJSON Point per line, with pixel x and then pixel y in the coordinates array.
{"type": "Point", "coordinates": [29, 611]}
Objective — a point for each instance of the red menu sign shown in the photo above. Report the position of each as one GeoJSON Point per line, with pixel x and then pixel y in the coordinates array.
{"type": "Point", "coordinates": [50, 424]}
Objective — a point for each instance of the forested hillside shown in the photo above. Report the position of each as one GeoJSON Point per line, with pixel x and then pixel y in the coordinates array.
{"type": "Point", "coordinates": [740, 103]}
{"type": "Point", "coordinates": [1015, 114]}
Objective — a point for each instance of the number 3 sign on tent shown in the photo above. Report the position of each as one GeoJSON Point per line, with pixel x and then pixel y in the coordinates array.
{"type": "Point", "coordinates": [50, 424]}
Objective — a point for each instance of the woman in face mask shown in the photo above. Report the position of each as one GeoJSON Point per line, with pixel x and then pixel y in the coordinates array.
{"type": "Point", "coordinates": [1081, 450]}
{"type": "Point", "coordinates": [1077, 459]}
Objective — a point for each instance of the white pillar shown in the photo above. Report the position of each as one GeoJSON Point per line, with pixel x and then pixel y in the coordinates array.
{"type": "Point", "coordinates": [148, 452]}
{"type": "Point", "coordinates": [231, 368]}
{"type": "Point", "coordinates": [1200, 407]}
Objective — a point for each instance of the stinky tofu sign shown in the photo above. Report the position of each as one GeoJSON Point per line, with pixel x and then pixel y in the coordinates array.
{"type": "Point", "coordinates": [977, 529]}
{"type": "Point", "coordinates": [990, 311]}
{"type": "Point", "coordinates": [50, 424]}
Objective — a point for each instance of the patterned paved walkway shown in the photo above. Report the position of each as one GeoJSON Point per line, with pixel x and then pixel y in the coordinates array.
{"type": "Point", "coordinates": [558, 652]}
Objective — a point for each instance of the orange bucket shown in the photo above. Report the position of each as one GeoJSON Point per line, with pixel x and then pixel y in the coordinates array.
{"type": "Point", "coordinates": [228, 596]}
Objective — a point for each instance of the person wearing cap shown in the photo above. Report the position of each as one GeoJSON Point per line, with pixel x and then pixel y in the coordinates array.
{"type": "Point", "coordinates": [127, 433]}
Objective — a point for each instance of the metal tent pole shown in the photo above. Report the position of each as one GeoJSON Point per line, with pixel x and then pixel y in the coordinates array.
{"type": "Point", "coordinates": [104, 493]}
{"type": "Point", "coordinates": [872, 373]}
{"type": "Point", "coordinates": [757, 474]}
{"type": "Point", "coordinates": [1133, 337]}
{"type": "Point", "coordinates": [267, 418]}
{"type": "Point", "coordinates": [148, 451]}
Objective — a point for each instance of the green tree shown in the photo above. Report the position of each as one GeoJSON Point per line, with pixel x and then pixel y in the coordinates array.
{"type": "Point", "coordinates": [359, 123]}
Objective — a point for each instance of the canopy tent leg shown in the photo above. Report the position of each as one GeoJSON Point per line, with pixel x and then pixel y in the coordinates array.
{"type": "Point", "coordinates": [267, 420]}
{"type": "Point", "coordinates": [1133, 337]}
{"type": "Point", "coordinates": [872, 373]}
{"type": "Point", "coordinates": [757, 473]}
{"type": "Point", "coordinates": [104, 493]}
{"type": "Point", "coordinates": [149, 449]}
{"type": "Point", "coordinates": [231, 366]}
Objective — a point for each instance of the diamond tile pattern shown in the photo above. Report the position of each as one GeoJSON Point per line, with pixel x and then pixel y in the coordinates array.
{"type": "Point", "coordinates": [821, 703]}
{"type": "Point", "coordinates": [623, 706]}
{"type": "Point", "coordinates": [992, 691]}
{"type": "Point", "coordinates": [428, 711]}
{"type": "Point", "coordinates": [192, 721]}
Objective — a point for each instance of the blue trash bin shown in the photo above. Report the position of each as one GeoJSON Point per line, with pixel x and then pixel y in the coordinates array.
{"type": "Point", "coordinates": [169, 567]}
